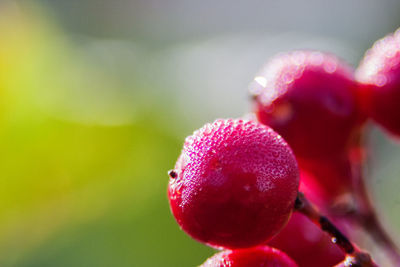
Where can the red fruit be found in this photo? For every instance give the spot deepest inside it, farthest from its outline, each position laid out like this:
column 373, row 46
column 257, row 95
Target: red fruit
column 310, row 99
column 253, row 257
column 333, row 176
column 310, row 187
column 304, row 242
column 234, row 185
column 379, row 73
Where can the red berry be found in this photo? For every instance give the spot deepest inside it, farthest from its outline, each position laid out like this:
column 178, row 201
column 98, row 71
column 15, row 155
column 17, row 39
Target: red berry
column 329, row 203
column 234, row 184
column 310, row 99
column 304, row 242
column 253, row 257
column 330, row 177
column 379, row 73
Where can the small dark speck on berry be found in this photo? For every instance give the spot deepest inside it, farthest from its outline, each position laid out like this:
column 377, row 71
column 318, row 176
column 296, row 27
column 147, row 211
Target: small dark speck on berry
column 172, row 174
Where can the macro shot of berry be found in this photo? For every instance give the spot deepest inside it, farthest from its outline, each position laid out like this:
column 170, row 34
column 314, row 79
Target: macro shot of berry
column 154, row 133
column 234, row 184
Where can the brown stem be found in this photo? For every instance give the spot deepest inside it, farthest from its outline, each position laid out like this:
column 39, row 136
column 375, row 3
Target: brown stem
column 359, row 260
column 354, row 256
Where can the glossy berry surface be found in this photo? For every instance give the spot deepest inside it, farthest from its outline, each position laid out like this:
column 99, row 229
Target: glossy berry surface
column 253, row 257
column 304, row 242
column 310, row 99
column 234, row 184
column 379, row 74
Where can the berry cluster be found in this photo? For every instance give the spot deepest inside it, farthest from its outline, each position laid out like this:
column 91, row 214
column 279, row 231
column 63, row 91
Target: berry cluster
column 236, row 184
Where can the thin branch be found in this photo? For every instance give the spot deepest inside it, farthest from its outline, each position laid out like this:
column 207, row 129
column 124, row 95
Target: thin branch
column 354, row 257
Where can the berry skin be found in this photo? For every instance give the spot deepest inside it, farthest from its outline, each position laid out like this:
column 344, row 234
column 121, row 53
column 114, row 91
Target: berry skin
column 309, row 98
column 253, row 257
column 379, row 75
column 330, row 177
column 234, row 184
column 304, row 242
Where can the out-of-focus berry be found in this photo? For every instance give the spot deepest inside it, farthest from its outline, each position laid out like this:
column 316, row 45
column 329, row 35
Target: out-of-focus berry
column 253, row 257
column 379, row 75
column 304, row 242
column 330, row 178
column 309, row 98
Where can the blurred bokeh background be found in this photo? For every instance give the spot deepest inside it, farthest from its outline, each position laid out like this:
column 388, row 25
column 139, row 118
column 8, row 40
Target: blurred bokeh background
column 97, row 96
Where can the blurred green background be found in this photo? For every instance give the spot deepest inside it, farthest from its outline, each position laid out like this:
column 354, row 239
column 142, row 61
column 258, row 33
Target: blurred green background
column 96, row 98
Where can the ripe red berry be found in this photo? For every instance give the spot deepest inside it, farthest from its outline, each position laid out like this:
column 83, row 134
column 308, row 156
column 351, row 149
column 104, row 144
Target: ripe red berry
column 253, row 257
column 379, row 73
column 329, row 177
column 310, row 99
column 234, row 184
column 304, row 242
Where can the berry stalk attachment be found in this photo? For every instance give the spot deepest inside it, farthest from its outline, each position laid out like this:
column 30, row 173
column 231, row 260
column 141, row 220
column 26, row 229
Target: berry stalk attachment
column 354, row 257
